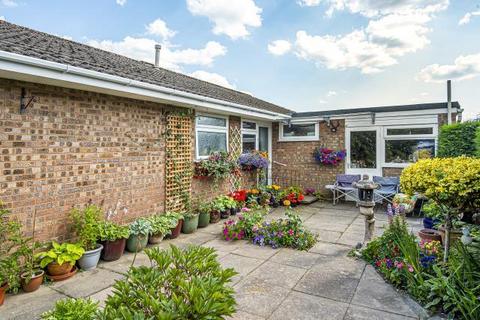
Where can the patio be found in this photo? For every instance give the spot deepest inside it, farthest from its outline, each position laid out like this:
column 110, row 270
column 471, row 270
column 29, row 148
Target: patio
column 272, row 284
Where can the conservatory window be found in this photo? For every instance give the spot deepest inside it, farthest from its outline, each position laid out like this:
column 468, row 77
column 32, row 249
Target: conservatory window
column 211, row 135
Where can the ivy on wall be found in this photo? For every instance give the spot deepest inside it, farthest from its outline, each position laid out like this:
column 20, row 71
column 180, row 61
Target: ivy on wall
column 178, row 160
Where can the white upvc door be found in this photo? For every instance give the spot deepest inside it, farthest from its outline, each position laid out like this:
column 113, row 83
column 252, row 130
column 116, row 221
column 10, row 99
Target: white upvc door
column 364, row 151
column 262, row 138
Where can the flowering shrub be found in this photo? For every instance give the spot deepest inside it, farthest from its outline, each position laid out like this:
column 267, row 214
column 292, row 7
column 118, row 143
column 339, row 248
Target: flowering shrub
column 284, row 232
column 239, row 195
column 328, row 156
column 309, row 191
column 253, row 160
column 403, row 203
column 242, row 228
column 292, row 196
column 232, row 230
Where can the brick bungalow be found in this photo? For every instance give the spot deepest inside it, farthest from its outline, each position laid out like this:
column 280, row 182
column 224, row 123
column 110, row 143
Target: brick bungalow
column 79, row 124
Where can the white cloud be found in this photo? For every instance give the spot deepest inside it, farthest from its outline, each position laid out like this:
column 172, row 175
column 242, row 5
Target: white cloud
column 230, row 17
column 2, row 18
column 9, row 3
column 279, row 47
column 213, row 78
column 159, row 28
column 121, row 2
column 309, row 3
column 143, row 49
column 398, row 28
column 468, row 17
column 331, row 93
column 464, row 67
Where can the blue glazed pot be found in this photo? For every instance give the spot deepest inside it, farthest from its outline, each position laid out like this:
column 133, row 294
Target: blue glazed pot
column 429, row 223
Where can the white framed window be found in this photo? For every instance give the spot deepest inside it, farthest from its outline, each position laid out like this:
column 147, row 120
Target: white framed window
column 404, row 145
column 211, row 134
column 299, row 132
column 249, row 136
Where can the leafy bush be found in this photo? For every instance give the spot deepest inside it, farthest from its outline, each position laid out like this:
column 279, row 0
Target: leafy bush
column 161, row 225
column 140, row 227
column 180, row 284
column 60, row 253
column 73, row 309
column 172, row 218
column 450, row 182
column 85, row 224
column 218, row 165
column 459, row 139
column 109, row 231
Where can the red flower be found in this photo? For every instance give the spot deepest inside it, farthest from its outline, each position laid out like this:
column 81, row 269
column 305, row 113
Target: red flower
column 300, row 197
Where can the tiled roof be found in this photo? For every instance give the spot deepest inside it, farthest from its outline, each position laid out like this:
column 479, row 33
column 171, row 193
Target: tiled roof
column 32, row 43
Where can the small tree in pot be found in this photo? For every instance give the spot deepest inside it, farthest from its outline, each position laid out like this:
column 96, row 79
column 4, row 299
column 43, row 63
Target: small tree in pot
column 113, row 238
column 85, row 225
column 139, row 231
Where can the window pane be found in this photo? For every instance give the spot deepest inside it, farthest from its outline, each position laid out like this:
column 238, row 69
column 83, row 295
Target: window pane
column 209, row 142
column 263, row 139
column 409, row 131
column 248, row 142
column 299, row 130
column 406, row 151
column 363, row 149
column 249, row 125
column 211, row 121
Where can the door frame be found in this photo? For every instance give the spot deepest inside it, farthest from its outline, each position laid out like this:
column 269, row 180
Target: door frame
column 379, row 149
column 257, row 135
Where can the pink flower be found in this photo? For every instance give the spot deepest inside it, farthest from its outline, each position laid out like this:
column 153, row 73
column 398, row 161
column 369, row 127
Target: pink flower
column 410, row 268
column 290, row 232
column 245, row 209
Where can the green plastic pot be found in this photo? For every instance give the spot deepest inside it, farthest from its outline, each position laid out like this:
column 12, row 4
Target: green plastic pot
column 190, row 224
column 203, row 220
column 137, row 243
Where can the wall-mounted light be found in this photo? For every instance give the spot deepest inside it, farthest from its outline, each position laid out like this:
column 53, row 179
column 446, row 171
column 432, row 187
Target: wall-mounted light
column 25, row 101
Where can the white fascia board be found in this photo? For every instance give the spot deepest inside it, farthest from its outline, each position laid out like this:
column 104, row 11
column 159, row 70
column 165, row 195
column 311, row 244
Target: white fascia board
column 19, row 67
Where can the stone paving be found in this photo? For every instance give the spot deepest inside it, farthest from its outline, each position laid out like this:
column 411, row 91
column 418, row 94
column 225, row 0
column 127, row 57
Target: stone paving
column 322, row 283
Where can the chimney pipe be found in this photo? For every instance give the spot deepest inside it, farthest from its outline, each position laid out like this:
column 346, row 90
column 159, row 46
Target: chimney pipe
column 158, row 47
column 449, row 101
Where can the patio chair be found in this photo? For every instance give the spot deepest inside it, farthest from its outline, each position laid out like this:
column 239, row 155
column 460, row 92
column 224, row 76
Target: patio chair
column 343, row 187
column 389, row 187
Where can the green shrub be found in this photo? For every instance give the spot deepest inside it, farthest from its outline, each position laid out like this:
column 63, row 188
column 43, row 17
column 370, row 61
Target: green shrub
column 109, row 231
column 141, row 227
column 181, row 284
column 60, row 253
column 161, row 225
column 72, row 309
column 459, row 139
column 85, row 225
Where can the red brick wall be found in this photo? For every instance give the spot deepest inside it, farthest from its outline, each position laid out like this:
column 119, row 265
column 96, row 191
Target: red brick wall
column 71, row 147
column 301, row 167
column 391, row 172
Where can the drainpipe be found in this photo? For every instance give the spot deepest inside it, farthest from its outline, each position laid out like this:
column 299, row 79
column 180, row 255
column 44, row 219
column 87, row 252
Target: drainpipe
column 449, row 101
column 158, row 47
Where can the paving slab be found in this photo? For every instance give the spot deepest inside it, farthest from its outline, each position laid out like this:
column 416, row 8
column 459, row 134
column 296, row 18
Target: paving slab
column 330, row 249
column 197, row 238
column 29, row 306
column 327, row 218
column 276, row 274
column 302, row 306
column 375, row 293
column 325, row 235
column 362, row 313
column 125, row 262
column 101, row 296
column 255, row 251
column 332, row 277
column 225, row 246
column 242, row 315
column 259, row 298
column 86, row 283
column 295, row 258
column 243, row 265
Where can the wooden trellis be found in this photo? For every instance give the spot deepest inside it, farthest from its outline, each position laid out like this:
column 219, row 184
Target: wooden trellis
column 235, row 139
column 178, row 166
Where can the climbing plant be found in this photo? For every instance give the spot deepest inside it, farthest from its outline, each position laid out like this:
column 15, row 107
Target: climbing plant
column 179, row 157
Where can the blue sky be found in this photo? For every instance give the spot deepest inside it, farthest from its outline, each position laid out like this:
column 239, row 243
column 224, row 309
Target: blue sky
column 301, row 54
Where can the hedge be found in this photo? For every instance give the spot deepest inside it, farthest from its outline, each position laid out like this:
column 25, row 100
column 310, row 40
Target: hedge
column 459, row 139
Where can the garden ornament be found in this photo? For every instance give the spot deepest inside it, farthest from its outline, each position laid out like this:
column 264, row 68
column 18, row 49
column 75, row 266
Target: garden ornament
column 366, row 205
column 466, row 238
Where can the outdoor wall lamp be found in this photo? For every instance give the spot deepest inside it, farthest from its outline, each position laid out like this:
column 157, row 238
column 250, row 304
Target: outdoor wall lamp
column 25, row 101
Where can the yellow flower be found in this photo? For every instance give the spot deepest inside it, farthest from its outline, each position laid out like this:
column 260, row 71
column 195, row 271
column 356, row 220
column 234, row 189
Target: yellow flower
column 286, row 203
column 275, row 187
column 254, row 191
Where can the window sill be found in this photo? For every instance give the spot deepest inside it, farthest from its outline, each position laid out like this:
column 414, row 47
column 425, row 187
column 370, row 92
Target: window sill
column 396, row 165
column 306, row 139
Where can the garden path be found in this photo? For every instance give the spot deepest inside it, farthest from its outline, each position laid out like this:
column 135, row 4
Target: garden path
column 322, row 283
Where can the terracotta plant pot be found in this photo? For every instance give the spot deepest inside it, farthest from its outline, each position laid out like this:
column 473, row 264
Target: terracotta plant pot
column 429, row 235
column 136, row 243
column 33, row 283
column 113, row 250
column 63, row 276
column 155, row 238
column 54, row 269
column 203, row 220
column 3, row 290
column 214, row 216
column 176, row 231
column 190, row 225
column 454, row 235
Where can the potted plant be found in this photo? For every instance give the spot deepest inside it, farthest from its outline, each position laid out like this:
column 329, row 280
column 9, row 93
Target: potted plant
column 203, row 214
column 224, row 204
column 60, row 260
column 161, row 226
column 81, row 308
column 219, row 165
column 433, row 215
column 113, row 239
column 85, row 225
column 190, row 222
column 139, row 231
column 175, row 222
column 11, row 240
column 215, row 209
column 32, row 275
